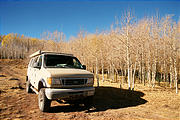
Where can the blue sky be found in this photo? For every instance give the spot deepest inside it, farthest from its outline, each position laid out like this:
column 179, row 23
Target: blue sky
column 34, row 17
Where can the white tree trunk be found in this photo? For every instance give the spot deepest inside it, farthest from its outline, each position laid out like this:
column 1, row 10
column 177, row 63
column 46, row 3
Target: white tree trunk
column 149, row 73
column 143, row 75
column 143, row 69
column 133, row 79
column 175, row 76
column 128, row 63
column 97, row 77
column 139, row 73
column 153, row 74
column 129, row 70
column 171, row 72
column 102, row 65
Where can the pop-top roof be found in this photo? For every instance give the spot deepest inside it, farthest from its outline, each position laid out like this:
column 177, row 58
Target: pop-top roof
column 39, row 52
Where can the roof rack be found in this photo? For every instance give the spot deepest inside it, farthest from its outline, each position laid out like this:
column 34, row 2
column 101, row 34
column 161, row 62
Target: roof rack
column 39, row 52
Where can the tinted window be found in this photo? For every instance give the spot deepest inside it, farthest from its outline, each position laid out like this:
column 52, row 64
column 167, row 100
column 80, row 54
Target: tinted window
column 61, row 61
column 40, row 61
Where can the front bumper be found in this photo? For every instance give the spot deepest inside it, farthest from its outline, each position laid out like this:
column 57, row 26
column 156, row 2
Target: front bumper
column 54, row 94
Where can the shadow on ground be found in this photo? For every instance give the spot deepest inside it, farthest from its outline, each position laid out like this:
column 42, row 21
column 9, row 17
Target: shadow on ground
column 107, row 98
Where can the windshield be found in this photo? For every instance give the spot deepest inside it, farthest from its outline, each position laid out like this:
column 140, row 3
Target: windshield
column 61, row 61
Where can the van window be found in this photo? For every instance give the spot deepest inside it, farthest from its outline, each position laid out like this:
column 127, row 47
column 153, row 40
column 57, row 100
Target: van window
column 33, row 61
column 61, row 61
column 40, row 61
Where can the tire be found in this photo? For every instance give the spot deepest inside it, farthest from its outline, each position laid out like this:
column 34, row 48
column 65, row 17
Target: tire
column 88, row 102
column 43, row 102
column 28, row 87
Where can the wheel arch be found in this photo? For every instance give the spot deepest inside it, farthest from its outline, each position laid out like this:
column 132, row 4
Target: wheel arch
column 26, row 78
column 41, row 84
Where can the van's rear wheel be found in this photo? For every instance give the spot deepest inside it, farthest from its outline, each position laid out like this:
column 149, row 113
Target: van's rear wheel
column 28, row 87
column 43, row 101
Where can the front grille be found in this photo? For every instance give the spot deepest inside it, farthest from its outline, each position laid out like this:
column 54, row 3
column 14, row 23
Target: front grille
column 74, row 81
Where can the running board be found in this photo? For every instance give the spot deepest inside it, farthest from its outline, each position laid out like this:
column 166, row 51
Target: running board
column 34, row 90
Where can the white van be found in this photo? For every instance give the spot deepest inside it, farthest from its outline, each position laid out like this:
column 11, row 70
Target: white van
column 59, row 76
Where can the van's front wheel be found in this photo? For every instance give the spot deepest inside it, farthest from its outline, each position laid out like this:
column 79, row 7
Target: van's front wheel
column 43, row 101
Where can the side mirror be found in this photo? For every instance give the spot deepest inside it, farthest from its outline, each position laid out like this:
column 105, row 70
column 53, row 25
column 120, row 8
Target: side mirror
column 36, row 65
column 84, row 67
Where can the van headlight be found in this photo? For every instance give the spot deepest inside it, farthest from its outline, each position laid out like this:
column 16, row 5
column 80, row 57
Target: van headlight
column 54, row 81
column 90, row 81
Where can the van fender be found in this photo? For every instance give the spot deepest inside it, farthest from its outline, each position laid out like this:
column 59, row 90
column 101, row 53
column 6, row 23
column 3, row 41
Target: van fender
column 43, row 82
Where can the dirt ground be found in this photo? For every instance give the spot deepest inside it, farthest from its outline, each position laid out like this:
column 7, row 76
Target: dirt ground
column 110, row 102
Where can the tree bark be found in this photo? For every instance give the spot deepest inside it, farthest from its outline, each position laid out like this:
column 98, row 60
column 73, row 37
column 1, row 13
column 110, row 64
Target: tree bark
column 175, row 76
column 102, row 65
column 153, row 74
column 97, row 77
column 133, row 79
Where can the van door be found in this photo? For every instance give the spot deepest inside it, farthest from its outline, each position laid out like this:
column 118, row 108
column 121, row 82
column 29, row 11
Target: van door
column 33, row 72
column 29, row 70
column 37, row 71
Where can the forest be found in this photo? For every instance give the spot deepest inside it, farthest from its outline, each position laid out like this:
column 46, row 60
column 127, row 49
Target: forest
column 145, row 51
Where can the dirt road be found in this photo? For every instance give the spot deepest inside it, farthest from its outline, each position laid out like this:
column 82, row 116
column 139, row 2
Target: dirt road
column 110, row 102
